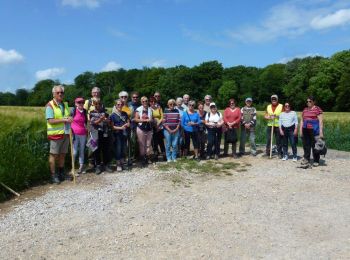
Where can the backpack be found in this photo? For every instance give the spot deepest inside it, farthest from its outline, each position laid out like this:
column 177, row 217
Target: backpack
column 320, row 147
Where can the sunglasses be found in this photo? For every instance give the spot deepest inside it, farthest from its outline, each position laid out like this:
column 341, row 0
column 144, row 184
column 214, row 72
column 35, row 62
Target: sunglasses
column 171, row 104
column 191, row 105
column 145, row 101
column 287, row 105
column 80, row 102
column 135, row 97
column 119, row 105
column 156, row 95
column 124, row 97
column 309, row 101
column 232, row 103
column 60, row 92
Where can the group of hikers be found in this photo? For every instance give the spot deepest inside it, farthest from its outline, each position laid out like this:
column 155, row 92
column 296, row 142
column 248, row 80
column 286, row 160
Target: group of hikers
column 136, row 130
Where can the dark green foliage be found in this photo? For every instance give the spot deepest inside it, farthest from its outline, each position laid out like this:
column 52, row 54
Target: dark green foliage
column 325, row 78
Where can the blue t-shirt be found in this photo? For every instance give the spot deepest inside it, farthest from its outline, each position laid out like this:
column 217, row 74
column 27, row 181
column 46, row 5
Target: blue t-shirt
column 119, row 120
column 186, row 118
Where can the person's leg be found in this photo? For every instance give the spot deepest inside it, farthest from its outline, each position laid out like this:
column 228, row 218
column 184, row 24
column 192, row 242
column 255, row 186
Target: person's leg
column 161, row 141
column 252, row 141
column 306, row 144
column 278, row 138
column 242, row 140
column 234, row 144
column 218, row 142
column 291, row 138
column 142, row 142
column 76, row 146
column 174, row 141
column 211, row 137
column 195, row 142
column 285, row 138
column 268, row 139
column 148, row 136
column 52, row 163
column 187, row 142
column 155, row 143
column 168, row 143
column 226, row 144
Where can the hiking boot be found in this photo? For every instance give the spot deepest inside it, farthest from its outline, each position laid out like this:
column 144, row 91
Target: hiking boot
column 98, row 170
column 285, row 158
column 55, row 179
column 108, row 169
column 316, row 164
column 281, row 156
column 295, row 159
column 304, row 162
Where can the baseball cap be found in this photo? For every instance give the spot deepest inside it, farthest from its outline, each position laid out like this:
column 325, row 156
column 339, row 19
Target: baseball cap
column 78, row 99
column 212, row 104
column 274, row 97
column 249, row 99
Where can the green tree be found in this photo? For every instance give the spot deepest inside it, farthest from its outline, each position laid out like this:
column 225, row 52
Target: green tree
column 228, row 90
column 42, row 92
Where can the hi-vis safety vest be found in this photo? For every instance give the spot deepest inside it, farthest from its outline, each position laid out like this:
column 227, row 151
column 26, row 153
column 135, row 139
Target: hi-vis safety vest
column 278, row 111
column 57, row 129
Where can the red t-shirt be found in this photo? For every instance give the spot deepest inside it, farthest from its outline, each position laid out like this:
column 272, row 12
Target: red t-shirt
column 232, row 115
column 311, row 114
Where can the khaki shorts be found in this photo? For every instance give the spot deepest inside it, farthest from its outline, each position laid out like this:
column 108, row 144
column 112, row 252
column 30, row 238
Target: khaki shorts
column 59, row 146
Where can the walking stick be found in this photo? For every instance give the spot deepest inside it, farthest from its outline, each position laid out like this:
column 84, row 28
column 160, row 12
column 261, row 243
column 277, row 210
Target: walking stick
column 9, row 189
column 272, row 128
column 72, row 154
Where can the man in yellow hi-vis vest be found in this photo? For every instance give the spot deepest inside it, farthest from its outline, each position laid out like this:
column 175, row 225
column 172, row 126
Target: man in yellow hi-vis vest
column 272, row 114
column 58, row 128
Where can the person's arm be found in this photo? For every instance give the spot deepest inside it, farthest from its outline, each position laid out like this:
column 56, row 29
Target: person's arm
column 253, row 121
column 280, row 124
column 296, row 124
column 320, row 119
column 221, row 121
column 137, row 118
column 301, row 126
column 267, row 116
column 161, row 116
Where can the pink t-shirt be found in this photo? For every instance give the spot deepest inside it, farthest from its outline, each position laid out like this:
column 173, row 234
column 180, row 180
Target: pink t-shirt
column 78, row 124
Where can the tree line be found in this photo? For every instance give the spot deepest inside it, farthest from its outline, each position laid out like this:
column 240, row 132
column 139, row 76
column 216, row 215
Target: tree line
column 327, row 79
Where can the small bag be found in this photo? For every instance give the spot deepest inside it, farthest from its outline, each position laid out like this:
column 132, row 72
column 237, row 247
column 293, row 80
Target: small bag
column 92, row 144
column 231, row 135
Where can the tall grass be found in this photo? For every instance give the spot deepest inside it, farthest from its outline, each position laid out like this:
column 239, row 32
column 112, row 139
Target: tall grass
column 23, row 148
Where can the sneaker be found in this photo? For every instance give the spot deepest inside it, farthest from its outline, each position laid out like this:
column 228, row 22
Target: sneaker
column 119, row 168
column 235, row 156
column 208, row 157
column 295, row 159
column 316, row 164
column 55, row 179
column 285, row 158
column 281, row 156
column 174, row 160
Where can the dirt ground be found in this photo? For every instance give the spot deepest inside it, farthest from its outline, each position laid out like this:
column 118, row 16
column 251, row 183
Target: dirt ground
column 265, row 208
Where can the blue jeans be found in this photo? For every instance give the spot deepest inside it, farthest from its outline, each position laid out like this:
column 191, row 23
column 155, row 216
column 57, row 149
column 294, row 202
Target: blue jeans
column 214, row 140
column 119, row 146
column 171, row 140
column 79, row 147
column 289, row 135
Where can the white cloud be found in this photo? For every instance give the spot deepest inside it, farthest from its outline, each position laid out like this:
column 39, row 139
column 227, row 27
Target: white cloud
column 110, row 66
column 49, row 73
column 293, row 18
column 158, row 63
column 10, row 56
column 91, row 4
column 339, row 18
column 118, row 34
column 299, row 56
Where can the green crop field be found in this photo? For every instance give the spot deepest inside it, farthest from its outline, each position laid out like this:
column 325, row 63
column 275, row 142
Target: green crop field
column 24, row 146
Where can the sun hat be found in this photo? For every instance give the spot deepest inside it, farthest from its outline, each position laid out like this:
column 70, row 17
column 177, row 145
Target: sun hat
column 78, row 99
column 249, row 99
column 212, row 104
column 274, row 96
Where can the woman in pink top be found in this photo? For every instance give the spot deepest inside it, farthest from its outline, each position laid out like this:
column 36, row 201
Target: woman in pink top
column 232, row 118
column 79, row 130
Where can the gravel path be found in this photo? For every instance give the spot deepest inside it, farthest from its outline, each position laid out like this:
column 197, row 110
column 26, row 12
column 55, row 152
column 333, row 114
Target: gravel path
column 269, row 210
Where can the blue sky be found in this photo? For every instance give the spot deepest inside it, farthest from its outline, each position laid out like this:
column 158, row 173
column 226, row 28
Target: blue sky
column 59, row 39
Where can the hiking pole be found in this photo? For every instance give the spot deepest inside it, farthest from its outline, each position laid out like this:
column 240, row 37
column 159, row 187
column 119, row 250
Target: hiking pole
column 271, row 137
column 9, row 189
column 72, row 154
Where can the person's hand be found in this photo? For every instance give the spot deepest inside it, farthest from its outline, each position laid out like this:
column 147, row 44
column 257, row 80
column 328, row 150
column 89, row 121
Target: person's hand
column 68, row 120
column 321, row 135
column 281, row 132
column 272, row 116
column 301, row 133
column 295, row 132
column 247, row 126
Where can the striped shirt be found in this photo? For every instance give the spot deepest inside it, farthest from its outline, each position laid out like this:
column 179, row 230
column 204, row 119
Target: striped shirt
column 288, row 119
column 248, row 116
column 171, row 118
